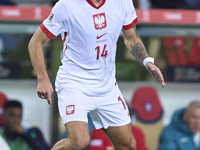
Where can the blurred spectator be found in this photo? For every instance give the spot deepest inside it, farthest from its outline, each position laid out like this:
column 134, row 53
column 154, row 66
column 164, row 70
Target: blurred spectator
column 7, row 2
column 3, row 144
column 100, row 141
column 175, row 4
column 54, row 2
column 183, row 132
column 168, row 4
column 193, row 4
column 144, row 4
column 15, row 135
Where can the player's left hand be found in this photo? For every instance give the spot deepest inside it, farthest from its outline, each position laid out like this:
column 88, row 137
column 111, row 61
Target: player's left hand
column 155, row 71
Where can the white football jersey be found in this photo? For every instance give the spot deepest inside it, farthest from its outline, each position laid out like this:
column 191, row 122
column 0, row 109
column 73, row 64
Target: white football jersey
column 89, row 36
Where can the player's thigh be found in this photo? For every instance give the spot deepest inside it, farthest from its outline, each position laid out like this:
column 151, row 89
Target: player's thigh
column 78, row 132
column 121, row 136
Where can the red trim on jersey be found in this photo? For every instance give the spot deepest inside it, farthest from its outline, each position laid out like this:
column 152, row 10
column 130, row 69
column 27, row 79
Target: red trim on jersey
column 46, row 31
column 127, row 27
column 65, row 36
column 65, row 48
column 92, row 4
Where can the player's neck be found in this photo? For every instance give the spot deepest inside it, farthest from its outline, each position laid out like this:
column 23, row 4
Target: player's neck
column 97, row 2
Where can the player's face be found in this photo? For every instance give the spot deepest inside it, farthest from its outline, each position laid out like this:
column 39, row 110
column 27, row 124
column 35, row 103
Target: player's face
column 12, row 116
column 193, row 119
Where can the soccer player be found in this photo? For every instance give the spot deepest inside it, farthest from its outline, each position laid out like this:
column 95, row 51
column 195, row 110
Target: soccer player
column 86, row 80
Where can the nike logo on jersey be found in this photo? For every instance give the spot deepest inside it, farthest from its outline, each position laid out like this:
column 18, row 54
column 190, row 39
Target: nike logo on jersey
column 98, row 37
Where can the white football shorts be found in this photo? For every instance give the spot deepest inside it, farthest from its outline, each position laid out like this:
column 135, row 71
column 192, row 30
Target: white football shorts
column 106, row 110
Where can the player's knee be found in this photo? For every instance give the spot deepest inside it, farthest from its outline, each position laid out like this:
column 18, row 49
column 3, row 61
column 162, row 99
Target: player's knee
column 80, row 143
column 132, row 145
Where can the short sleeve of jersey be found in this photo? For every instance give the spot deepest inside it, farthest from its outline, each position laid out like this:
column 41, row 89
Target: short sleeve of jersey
column 56, row 22
column 130, row 15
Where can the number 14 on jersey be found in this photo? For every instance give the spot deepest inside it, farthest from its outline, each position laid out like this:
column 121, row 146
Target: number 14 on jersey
column 104, row 52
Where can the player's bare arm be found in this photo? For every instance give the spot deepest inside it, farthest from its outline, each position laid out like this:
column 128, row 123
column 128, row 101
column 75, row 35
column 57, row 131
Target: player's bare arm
column 44, row 89
column 138, row 50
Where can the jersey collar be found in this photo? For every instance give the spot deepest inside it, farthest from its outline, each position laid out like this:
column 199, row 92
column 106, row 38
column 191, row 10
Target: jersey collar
column 91, row 3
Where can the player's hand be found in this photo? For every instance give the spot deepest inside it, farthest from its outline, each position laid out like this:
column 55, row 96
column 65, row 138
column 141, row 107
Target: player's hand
column 155, row 71
column 45, row 89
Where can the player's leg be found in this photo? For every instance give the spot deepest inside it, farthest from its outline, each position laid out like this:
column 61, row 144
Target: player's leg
column 113, row 115
column 78, row 137
column 121, row 137
column 73, row 107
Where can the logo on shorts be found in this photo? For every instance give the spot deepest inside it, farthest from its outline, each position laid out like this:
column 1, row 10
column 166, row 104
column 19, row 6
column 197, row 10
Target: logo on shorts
column 70, row 109
column 123, row 103
column 99, row 21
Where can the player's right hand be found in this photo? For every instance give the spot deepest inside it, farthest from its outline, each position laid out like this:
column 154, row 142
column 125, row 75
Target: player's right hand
column 45, row 89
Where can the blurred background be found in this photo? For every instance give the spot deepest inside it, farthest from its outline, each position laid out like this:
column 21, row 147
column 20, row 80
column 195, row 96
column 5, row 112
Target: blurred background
column 169, row 29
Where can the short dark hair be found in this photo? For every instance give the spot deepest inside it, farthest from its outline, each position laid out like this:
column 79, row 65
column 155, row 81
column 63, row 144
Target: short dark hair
column 12, row 103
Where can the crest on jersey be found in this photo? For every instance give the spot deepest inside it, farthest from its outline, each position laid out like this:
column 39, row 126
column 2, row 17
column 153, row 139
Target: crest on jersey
column 50, row 16
column 99, row 21
column 70, row 109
